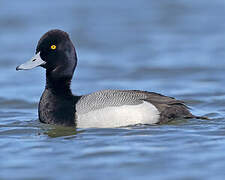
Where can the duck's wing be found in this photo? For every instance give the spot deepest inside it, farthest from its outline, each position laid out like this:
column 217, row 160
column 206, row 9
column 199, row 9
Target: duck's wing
column 168, row 107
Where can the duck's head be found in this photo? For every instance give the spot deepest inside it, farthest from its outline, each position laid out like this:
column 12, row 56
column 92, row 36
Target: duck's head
column 55, row 52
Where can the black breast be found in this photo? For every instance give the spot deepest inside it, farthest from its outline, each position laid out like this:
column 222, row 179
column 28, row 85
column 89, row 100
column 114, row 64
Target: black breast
column 55, row 109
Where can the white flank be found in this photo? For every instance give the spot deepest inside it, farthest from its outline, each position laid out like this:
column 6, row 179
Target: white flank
column 125, row 115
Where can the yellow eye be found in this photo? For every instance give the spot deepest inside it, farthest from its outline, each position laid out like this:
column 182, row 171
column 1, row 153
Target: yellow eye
column 53, row 47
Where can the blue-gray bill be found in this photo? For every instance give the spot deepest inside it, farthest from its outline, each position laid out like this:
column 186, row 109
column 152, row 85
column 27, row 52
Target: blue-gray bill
column 34, row 62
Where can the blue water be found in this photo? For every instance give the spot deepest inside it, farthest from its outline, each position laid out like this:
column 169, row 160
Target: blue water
column 176, row 48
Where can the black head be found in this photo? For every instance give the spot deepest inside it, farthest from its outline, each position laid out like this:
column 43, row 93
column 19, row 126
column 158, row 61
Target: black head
column 55, row 52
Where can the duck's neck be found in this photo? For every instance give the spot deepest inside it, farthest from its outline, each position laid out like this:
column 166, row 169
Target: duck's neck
column 57, row 104
column 59, row 86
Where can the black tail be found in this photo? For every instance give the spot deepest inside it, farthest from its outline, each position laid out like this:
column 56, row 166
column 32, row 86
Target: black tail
column 197, row 117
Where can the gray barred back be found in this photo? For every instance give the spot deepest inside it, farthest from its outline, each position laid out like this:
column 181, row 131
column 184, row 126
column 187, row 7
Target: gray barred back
column 109, row 98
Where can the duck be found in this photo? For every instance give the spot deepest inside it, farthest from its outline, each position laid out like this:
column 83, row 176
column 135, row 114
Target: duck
column 109, row 108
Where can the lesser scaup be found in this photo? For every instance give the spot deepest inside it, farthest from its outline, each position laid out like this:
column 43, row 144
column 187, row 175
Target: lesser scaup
column 104, row 109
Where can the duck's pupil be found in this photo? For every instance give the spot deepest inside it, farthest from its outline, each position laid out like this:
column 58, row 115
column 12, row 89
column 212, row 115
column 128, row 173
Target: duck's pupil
column 53, row 47
column 34, row 60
